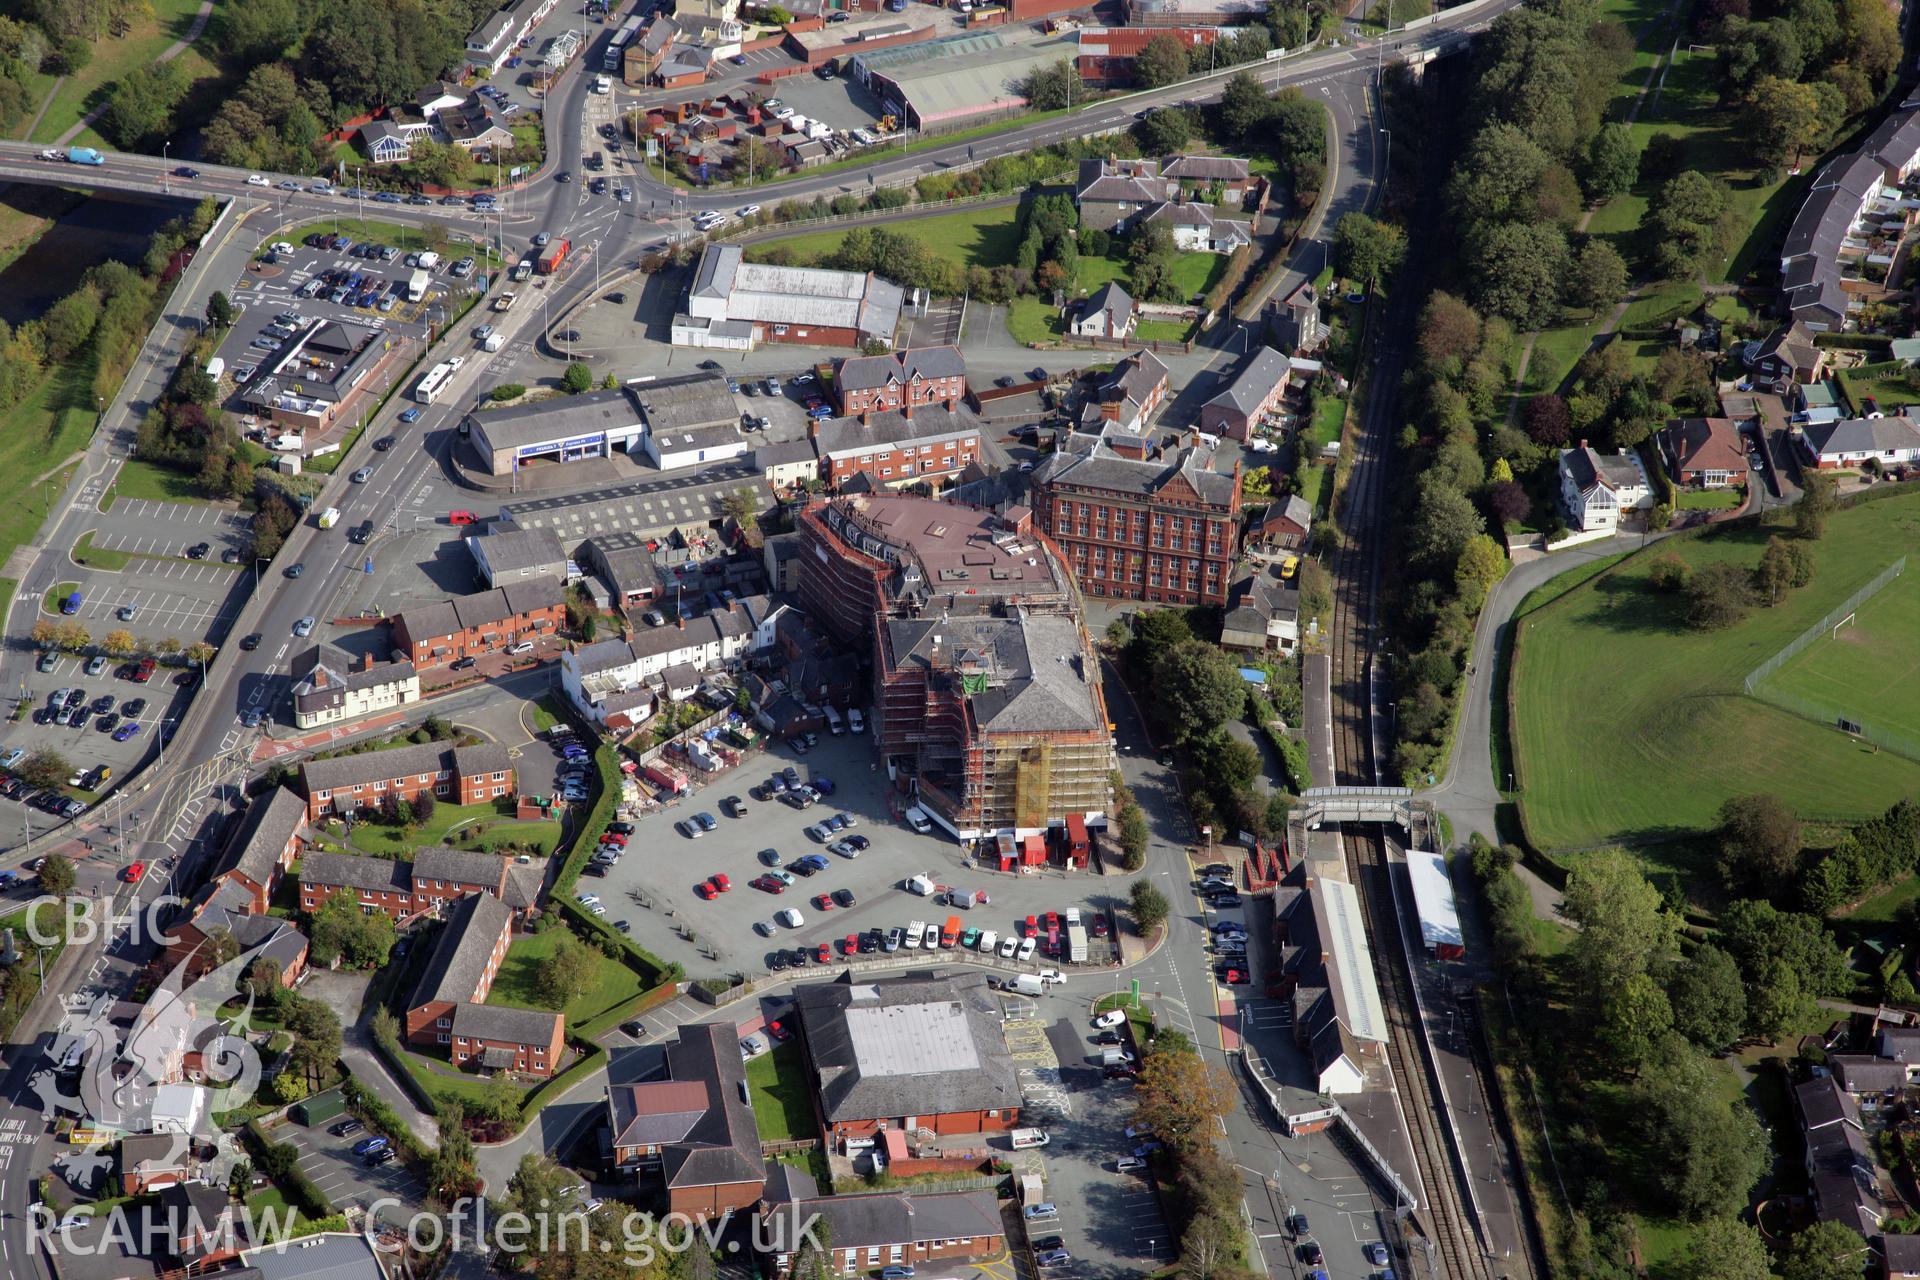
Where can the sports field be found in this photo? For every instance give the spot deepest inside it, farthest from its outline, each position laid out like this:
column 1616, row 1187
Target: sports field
column 1866, row 671
column 1628, row 726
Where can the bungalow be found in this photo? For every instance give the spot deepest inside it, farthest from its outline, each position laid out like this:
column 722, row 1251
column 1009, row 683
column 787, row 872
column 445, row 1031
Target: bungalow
column 1109, row 313
column 150, row 1161
column 866, row 1232
column 474, row 127
column 1263, row 613
column 1704, row 453
column 1597, row 487
column 1855, row 442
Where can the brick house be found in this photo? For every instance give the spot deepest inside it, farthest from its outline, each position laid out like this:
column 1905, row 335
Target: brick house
column 435, row 634
column 867, row 1232
column 453, row 775
column 1253, row 393
column 215, row 911
column 907, row 1053
column 329, row 686
column 1285, row 526
column 407, row 889
column 150, row 1161
column 1160, row 529
column 466, row 959
column 1121, row 404
column 1704, row 453
column 916, row 376
column 265, row 844
column 694, row 1130
column 193, row 1223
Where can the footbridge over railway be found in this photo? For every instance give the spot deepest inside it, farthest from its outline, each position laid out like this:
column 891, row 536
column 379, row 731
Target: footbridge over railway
column 1398, row 805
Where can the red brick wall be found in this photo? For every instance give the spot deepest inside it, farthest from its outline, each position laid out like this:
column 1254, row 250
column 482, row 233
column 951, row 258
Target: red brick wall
column 947, row 457
column 397, row 905
column 525, row 1060
column 423, row 1022
column 814, row 336
column 893, row 395
column 707, row 1202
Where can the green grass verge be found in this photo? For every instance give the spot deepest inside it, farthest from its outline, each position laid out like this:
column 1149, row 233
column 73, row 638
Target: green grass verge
column 979, row 237
column 1030, row 320
column 1631, row 727
column 1709, row 499
column 518, row 983
column 782, row 1105
column 152, row 482
column 50, row 602
column 84, row 552
column 1163, row 331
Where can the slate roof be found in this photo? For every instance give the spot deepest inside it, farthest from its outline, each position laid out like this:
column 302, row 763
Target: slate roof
column 321, row 1257
column 430, row 619
column 1188, row 214
column 1864, row 1073
column 686, row 403
column 1862, row 435
column 874, row 1221
column 864, row 373
column 153, row 1152
column 402, row 762
column 1591, row 469
column 1036, row 675
column 888, row 427
column 269, row 823
column 1292, row 509
column 474, row 923
column 1206, row 168
column 1100, row 468
column 562, row 417
column 1120, row 182
column 1110, row 297
column 459, row 866
column 1793, row 343
column 376, row 875
column 324, row 674
column 625, row 560
column 700, row 1114
column 506, row 1023
column 1253, row 384
column 906, row 1047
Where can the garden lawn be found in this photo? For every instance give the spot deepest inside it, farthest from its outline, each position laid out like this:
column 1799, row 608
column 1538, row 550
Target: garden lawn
column 146, row 39
column 1709, row 499
column 1196, row 273
column 1032, row 320
column 782, row 1107
column 1629, row 727
column 151, row 481
column 518, row 984
column 1163, row 331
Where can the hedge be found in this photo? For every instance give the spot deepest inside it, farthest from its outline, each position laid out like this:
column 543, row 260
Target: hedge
column 379, row 1113
column 1293, row 757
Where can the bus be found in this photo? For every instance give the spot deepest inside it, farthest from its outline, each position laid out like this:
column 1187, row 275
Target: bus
column 434, row 381
column 617, row 47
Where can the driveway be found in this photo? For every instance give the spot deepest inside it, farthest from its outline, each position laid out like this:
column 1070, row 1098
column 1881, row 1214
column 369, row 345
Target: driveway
column 344, row 993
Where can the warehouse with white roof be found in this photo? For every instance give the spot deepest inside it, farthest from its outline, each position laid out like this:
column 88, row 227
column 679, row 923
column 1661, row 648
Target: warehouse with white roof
column 736, row 304
column 964, row 80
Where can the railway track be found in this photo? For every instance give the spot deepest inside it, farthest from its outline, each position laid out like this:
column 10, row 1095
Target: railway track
column 1455, row 1249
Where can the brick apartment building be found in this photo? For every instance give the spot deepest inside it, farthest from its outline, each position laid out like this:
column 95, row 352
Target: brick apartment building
column 916, row 376
column 986, row 693
column 894, row 448
column 435, row 878
column 435, row 634
column 867, row 1232
column 693, row 1130
column 1160, row 529
column 267, row 841
column 448, row 1005
column 454, row 775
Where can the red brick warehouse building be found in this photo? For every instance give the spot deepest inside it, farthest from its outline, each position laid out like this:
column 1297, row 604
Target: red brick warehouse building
column 456, row 775
column 1161, row 528
column 440, row 632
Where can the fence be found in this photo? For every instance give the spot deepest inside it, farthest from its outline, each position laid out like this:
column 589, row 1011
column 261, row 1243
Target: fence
column 1825, row 625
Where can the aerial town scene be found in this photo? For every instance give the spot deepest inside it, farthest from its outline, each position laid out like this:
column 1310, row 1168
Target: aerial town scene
column 959, row 640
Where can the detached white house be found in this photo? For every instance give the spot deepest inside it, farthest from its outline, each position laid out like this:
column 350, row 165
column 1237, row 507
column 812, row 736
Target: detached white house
column 1597, row 487
column 1852, row 442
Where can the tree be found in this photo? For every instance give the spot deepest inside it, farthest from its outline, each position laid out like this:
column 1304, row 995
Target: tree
column 1613, row 162
column 1783, row 120
column 1517, row 269
column 69, row 323
column 1207, row 1245
column 1508, row 502
column 1198, row 688
column 566, row 973
column 1449, row 333
column 1444, row 522
column 1633, row 1017
column 316, row 1031
column 1367, row 250
column 1548, row 422
column 451, row 1174
column 1598, row 277
column 1181, row 1097
column 45, row 767
column 743, row 506
column 1244, row 106
column 118, row 644
column 1759, row 843
column 1668, row 573
column 56, row 875
column 500, row 1100
column 1712, row 1152
column 1160, row 62
column 1824, row 1251
column 1482, row 564
column 73, row 637
column 1150, row 906
column 1718, row 596
column 423, row 807
column 1167, row 129
column 1685, row 223
column 1052, row 87
column 340, row 931
column 1496, row 176
column 1815, row 505
column 140, row 106
column 1708, row 999
column 1728, row 1249
column 219, row 310
column 577, row 379
column 1624, row 928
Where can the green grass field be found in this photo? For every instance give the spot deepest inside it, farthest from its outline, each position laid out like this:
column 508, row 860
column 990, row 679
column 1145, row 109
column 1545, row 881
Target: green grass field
column 1866, row 670
column 982, row 237
column 517, row 985
column 156, row 26
column 1630, row 727
column 782, row 1107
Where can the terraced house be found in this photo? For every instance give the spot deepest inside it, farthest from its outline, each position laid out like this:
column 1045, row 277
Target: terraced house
column 456, row 775
column 435, row 634
column 407, row 889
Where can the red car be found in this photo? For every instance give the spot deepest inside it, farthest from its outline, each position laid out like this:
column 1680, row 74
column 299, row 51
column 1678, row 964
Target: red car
column 825, row 954
column 705, row 890
column 1053, row 922
column 850, row 945
column 1099, row 927
column 720, row 882
column 769, row 885
column 133, row 873
column 1032, row 926
column 613, row 837
column 778, row 1031
column 822, row 902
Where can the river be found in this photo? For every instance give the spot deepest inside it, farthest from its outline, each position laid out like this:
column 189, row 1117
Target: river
column 98, row 228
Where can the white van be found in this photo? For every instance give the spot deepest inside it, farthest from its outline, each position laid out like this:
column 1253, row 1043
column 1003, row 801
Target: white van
column 1024, row 1138
column 1025, row 984
column 914, row 931
column 834, row 724
column 917, row 819
column 856, row 723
